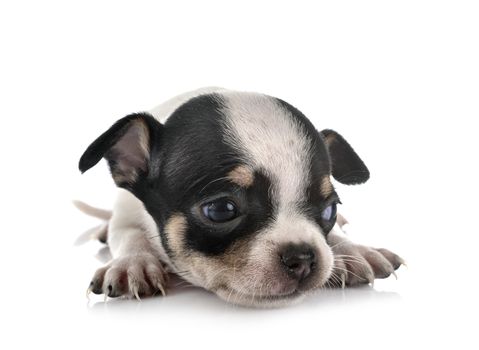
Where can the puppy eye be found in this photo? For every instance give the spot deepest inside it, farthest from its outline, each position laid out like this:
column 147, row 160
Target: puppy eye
column 220, row 210
column 329, row 213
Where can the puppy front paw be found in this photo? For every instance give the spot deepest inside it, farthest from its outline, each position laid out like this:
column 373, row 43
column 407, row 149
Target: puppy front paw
column 131, row 276
column 356, row 264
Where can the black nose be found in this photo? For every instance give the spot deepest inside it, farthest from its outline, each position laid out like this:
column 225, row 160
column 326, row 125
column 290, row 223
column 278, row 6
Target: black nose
column 298, row 260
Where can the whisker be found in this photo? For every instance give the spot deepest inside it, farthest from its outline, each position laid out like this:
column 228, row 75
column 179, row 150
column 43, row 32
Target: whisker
column 209, row 183
column 335, row 278
column 339, row 243
column 350, row 257
column 232, row 280
column 188, row 287
column 185, row 273
column 352, row 273
column 184, row 284
column 212, row 279
column 351, row 261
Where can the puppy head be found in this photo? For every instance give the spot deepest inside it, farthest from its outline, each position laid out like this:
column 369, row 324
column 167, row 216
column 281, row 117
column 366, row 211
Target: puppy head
column 239, row 186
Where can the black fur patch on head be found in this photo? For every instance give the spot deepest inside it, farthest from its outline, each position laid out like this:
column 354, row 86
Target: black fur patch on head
column 190, row 163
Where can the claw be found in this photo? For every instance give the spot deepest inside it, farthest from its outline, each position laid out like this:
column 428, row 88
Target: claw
column 105, row 298
column 343, row 281
column 135, row 292
column 88, row 291
column 370, row 280
column 162, row 290
column 394, row 274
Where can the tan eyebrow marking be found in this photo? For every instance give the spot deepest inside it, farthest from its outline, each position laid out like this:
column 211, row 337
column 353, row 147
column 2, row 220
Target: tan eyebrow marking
column 241, row 175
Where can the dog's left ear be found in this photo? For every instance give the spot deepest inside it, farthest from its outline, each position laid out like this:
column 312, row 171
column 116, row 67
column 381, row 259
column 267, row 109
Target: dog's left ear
column 127, row 147
column 347, row 167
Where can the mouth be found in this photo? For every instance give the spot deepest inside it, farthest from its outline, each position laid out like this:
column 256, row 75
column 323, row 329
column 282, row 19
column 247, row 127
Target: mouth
column 233, row 296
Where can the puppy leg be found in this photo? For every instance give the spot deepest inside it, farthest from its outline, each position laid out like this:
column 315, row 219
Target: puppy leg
column 136, row 269
column 357, row 264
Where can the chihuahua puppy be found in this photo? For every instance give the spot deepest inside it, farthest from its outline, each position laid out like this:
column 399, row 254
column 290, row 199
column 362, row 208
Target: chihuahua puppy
column 231, row 191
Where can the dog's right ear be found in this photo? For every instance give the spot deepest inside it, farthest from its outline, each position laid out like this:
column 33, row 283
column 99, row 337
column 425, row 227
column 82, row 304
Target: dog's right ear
column 126, row 146
column 347, row 167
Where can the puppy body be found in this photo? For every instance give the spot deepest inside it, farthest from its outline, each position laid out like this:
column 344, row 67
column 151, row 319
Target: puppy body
column 231, row 191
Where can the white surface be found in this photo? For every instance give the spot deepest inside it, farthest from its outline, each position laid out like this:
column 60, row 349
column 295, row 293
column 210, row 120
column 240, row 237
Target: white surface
column 398, row 79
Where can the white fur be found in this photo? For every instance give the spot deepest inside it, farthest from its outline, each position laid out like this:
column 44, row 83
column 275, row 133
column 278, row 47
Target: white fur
column 132, row 229
column 283, row 152
column 272, row 141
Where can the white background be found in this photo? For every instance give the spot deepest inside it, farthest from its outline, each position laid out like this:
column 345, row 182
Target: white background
column 399, row 79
